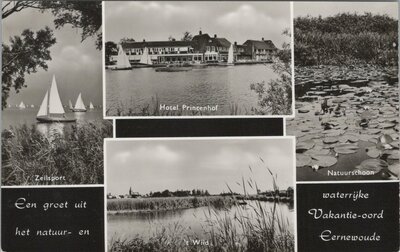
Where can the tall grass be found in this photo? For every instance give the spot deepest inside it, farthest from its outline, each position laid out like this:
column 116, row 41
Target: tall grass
column 76, row 154
column 167, row 203
column 264, row 229
column 346, row 39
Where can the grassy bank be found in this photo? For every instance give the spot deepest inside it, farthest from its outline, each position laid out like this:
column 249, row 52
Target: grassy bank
column 76, row 156
column 370, row 39
column 168, row 203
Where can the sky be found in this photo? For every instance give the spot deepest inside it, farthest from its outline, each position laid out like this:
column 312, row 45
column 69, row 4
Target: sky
column 236, row 21
column 331, row 8
column 213, row 165
column 77, row 66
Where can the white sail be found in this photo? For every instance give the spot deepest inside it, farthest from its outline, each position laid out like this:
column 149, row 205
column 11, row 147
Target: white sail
column 70, row 104
column 230, row 55
column 22, row 105
column 32, row 106
column 122, row 59
column 91, row 105
column 43, row 110
column 55, row 105
column 79, row 103
column 145, row 58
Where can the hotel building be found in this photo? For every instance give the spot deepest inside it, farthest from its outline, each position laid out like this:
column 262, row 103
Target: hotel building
column 201, row 49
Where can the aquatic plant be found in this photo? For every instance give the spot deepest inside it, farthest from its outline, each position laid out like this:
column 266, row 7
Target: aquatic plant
column 76, row 155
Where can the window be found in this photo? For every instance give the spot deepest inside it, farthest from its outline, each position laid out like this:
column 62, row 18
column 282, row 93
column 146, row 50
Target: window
column 213, row 48
column 208, row 48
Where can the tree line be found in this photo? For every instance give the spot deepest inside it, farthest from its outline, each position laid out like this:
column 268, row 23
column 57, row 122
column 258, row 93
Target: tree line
column 179, row 193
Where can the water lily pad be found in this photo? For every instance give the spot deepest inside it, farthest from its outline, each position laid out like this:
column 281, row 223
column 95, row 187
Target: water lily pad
column 303, row 111
column 374, row 131
column 374, row 165
column 385, row 139
column 330, row 140
column 394, row 168
column 314, row 152
column 346, row 148
column 323, row 160
column 302, row 160
column 373, row 152
column 392, row 154
column 395, row 144
column 304, row 145
column 349, row 138
column 387, row 125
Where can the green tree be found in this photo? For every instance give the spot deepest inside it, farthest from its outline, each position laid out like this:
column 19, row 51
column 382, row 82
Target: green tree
column 25, row 55
column 187, row 36
column 276, row 97
column 80, row 14
column 110, row 48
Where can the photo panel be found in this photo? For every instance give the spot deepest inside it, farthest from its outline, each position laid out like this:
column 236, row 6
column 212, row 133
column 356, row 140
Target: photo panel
column 194, row 194
column 346, row 91
column 52, row 120
column 197, row 59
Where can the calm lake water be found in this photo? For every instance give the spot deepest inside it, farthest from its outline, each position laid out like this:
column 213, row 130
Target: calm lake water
column 222, row 86
column 16, row 117
column 194, row 220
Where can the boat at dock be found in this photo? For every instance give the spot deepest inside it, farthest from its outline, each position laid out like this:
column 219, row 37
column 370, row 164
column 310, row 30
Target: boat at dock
column 145, row 59
column 79, row 105
column 51, row 110
column 122, row 61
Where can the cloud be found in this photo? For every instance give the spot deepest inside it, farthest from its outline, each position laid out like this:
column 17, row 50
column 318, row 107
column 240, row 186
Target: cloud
column 246, row 16
column 158, row 154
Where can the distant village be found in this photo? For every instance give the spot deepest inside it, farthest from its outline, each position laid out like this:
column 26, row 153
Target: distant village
column 288, row 193
column 201, row 48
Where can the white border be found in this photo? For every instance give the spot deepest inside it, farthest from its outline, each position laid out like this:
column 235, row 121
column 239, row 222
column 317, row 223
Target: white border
column 292, row 138
column 206, row 116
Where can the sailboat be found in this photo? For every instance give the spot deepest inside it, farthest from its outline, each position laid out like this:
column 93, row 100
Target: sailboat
column 79, row 105
column 230, row 56
column 70, row 105
column 145, row 58
column 91, row 107
column 51, row 109
column 32, row 106
column 22, row 105
column 122, row 60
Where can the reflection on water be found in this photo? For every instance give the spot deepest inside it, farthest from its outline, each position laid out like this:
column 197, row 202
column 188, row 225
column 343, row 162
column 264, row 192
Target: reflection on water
column 222, row 86
column 17, row 118
column 194, row 220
